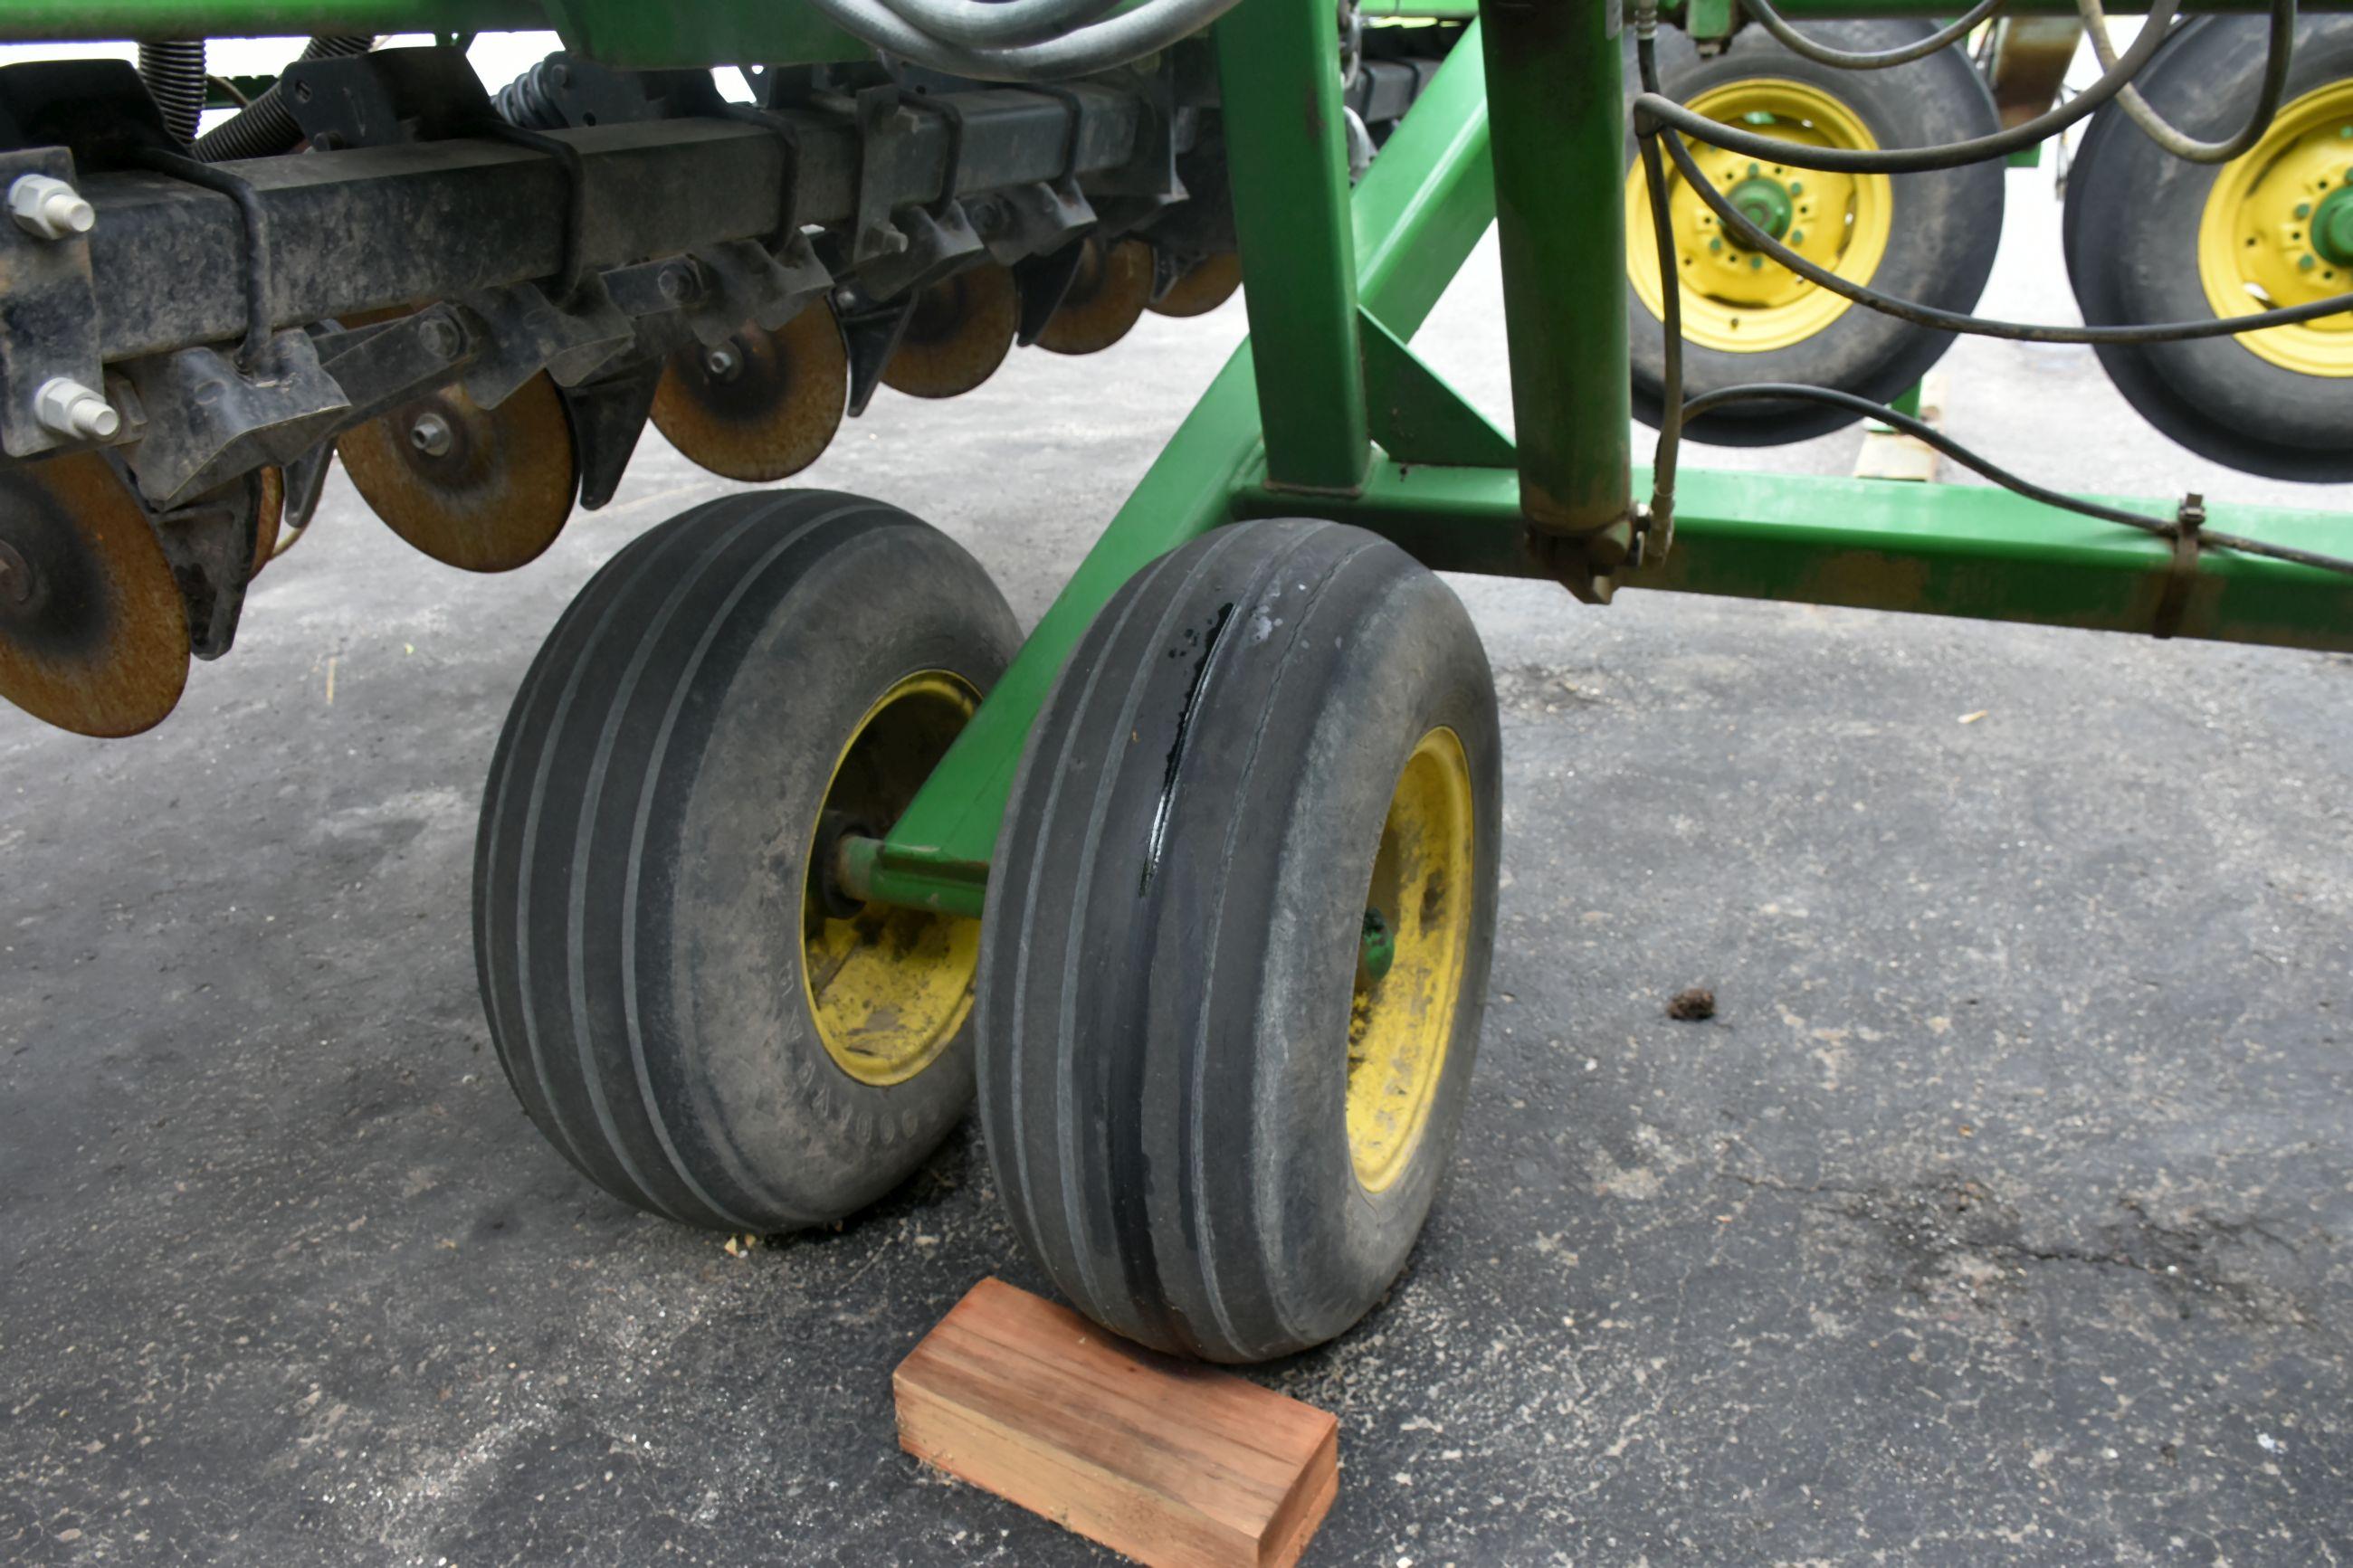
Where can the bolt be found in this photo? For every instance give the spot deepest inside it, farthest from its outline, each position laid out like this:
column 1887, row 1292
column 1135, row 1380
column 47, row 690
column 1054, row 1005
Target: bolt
column 1797, row 187
column 2304, row 264
column 723, row 364
column 2304, row 209
column 47, row 208
column 16, row 576
column 430, row 434
column 1797, row 236
column 71, row 409
column 678, row 283
column 1756, row 263
column 442, row 338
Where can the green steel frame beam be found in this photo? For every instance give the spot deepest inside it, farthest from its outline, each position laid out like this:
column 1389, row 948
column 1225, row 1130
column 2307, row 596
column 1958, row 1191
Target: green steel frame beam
column 1939, row 550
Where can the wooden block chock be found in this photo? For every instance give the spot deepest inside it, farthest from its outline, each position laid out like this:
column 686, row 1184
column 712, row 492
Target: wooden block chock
column 1174, row 1464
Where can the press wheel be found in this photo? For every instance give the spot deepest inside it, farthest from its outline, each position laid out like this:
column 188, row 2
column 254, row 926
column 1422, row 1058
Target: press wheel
column 1235, row 952
column 690, row 1008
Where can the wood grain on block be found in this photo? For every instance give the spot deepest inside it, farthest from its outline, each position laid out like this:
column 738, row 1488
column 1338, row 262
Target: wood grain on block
column 1175, row 1465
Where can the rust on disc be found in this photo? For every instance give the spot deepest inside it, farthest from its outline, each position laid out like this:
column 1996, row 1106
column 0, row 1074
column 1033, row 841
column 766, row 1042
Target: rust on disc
column 1107, row 298
column 763, row 405
column 93, row 632
column 272, row 512
column 1208, row 284
column 485, row 490
column 958, row 333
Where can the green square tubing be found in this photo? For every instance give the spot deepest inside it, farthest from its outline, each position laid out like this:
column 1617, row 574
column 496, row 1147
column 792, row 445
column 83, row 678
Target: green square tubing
column 1287, row 160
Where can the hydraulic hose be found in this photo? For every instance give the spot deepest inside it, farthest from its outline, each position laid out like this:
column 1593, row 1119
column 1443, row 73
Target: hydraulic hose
column 1655, row 108
column 1796, row 43
column 2278, row 55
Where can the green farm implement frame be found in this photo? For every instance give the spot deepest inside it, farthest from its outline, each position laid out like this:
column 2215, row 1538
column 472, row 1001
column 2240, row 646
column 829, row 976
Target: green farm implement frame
column 1327, row 411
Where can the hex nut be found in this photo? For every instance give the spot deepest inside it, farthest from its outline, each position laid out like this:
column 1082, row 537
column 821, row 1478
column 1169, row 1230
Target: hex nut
column 49, row 209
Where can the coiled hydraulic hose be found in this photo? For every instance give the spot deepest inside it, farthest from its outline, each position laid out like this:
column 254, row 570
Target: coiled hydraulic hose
column 174, row 75
column 266, row 126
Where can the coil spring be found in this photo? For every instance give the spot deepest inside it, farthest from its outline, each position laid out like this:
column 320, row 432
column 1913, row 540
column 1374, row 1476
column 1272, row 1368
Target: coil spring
column 530, row 100
column 174, row 75
column 266, row 126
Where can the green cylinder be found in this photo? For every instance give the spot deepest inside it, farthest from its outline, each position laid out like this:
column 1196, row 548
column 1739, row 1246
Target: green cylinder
column 1557, row 117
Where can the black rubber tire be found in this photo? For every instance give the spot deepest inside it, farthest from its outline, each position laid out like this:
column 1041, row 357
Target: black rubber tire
column 642, row 855
column 2215, row 396
column 1173, row 923
column 1947, row 228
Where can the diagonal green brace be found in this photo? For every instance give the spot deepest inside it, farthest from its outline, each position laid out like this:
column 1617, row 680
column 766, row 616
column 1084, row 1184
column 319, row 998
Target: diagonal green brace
column 1415, row 217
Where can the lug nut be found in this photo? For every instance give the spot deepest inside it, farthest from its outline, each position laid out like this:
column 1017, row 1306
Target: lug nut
column 721, row 363
column 47, row 208
column 69, row 408
column 430, row 434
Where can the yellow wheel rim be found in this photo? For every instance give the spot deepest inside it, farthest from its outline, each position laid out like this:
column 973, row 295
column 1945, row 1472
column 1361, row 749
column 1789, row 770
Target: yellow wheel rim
column 1417, row 937
column 1735, row 299
column 2278, row 231
column 889, row 988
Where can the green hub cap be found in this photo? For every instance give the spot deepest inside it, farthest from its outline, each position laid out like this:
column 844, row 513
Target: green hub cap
column 1764, row 202
column 1378, row 951
column 2332, row 227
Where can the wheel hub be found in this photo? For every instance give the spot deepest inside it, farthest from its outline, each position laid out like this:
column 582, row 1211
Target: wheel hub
column 2332, row 227
column 1765, row 202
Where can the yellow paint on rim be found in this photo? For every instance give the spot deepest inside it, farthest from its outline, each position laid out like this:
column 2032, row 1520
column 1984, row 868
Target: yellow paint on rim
column 1735, row 300
column 888, row 986
column 2254, row 247
column 1400, row 1023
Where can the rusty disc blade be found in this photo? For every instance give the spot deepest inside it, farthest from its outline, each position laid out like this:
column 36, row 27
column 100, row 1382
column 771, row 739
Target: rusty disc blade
column 93, row 632
column 1208, row 284
column 762, row 405
column 1106, row 298
column 958, row 333
column 266, row 526
column 484, row 490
